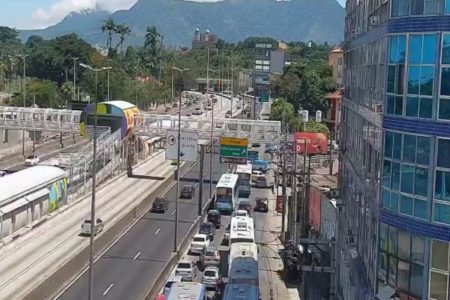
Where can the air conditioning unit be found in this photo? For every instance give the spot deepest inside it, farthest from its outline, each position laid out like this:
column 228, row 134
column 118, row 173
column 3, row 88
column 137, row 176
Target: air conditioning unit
column 349, row 232
column 377, row 108
column 373, row 21
column 351, row 240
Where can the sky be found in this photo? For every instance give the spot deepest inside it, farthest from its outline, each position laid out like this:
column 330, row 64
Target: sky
column 36, row 14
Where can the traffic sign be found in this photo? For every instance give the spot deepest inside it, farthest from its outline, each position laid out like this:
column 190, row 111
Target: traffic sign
column 234, row 150
column 233, row 160
column 264, row 97
column 233, row 141
column 188, row 145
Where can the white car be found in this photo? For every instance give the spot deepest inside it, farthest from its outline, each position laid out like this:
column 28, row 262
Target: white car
column 32, row 160
column 3, row 173
column 86, row 227
column 169, row 283
column 211, row 277
column 256, row 174
column 241, row 213
column 185, row 269
column 199, row 243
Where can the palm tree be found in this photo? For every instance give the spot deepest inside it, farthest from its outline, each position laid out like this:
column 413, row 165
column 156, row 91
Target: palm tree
column 123, row 30
column 152, row 48
column 110, row 27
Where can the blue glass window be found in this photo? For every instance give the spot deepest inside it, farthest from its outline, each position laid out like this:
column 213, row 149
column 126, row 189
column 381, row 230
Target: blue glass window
column 406, row 205
column 393, row 49
column 426, row 108
column 421, row 182
column 442, row 213
column 401, row 49
column 446, row 49
column 416, row 7
column 429, row 49
column 387, row 173
column 413, row 80
column 394, row 201
column 395, row 176
column 397, row 145
column 412, row 106
column 445, row 81
column 444, row 109
column 386, row 199
column 415, row 49
column 443, row 157
column 398, row 110
column 409, row 148
column 397, row 49
column 390, row 104
column 423, row 150
column 399, row 8
column 389, row 137
column 391, row 79
column 407, row 179
column 420, row 209
column 442, row 186
column 426, row 81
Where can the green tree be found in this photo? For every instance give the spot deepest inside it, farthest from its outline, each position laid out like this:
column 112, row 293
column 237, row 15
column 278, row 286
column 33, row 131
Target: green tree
column 317, row 127
column 151, row 52
column 123, row 30
column 110, row 27
column 44, row 94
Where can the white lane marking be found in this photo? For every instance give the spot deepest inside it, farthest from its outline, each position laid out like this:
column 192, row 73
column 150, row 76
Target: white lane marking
column 137, row 255
column 157, row 231
column 107, row 290
column 172, row 213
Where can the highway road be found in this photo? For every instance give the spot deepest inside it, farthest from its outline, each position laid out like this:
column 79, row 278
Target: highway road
column 128, row 268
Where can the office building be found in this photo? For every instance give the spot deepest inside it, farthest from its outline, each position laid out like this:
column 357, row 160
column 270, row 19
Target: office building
column 394, row 224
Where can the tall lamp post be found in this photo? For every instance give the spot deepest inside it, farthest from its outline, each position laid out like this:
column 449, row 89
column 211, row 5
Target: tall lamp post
column 74, row 77
column 212, row 139
column 94, row 171
column 24, row 91
column 175, row 239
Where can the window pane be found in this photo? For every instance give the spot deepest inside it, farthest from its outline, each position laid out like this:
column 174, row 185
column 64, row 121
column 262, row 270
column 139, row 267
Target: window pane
column 398, row 110
column 387, row 173
column 392, row 243
column 417, row 249
column 390, row 104
column 426, row 81
column 446, row 48
column 395, row 176
column 388, row 139
column 407, row 179
column 416, row 280
column 445, row 81
column 391, row 79
column 403, row 275
column 443, row 159
column 397, row 145
column 409, row 148
column 386, row 199
column 420, row 209
column 412, row 106
column 394, row 201
column 400, row 8
column 444, row 109
column 382, row 270
column 413, row 80
column 421, row 182
column 404, row 244
column 417, row 7
column 432, row 7
column 400, row 78
column 383, row 236
column 442, row 188
column 415, row 49
column 447, row 6
column 442, row 213
column 423, row 150
column 406, row 205
column 429, row 49
column 439, row 256
column 392, row 271
column 426, row 108
column 401, row 49
column 438, row 286
column 393, row 48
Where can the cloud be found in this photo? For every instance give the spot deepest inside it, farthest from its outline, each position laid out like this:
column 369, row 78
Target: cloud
column 44, row 17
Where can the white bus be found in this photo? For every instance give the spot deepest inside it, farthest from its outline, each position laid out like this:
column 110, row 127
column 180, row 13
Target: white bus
column 242, row 230
column 244, row 173
column 187, row 290
column 243, row 250
column 227, row 193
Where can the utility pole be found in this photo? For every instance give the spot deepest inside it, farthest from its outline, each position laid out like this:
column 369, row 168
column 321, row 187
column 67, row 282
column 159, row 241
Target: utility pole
column 331, row 150
column 200, row 177
column 283, row 217
column 74, row 77
column 34, row 131
column 24, row 91
column 294, row 199
column 254, row 94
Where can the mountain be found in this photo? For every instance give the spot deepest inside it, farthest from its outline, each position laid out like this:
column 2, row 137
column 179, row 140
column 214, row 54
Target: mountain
column 231, row 20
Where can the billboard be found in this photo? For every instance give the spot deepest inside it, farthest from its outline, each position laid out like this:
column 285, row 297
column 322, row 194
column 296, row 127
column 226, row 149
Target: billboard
column 316, row 143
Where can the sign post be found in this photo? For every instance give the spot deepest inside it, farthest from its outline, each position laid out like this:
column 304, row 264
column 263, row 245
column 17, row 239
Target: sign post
column 188, row 145
column 233, row 150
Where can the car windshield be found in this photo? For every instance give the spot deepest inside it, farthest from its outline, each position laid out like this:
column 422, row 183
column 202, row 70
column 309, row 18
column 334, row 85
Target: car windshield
column 31, row 157
column 210, row 273
column 184, row 265
column 210, row 253
column 205, row 226
column 186, row 188
column 87, row 221
column 199, row 239
column 169, row 284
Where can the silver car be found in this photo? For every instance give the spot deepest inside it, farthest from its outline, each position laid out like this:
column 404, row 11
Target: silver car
column 211, row 277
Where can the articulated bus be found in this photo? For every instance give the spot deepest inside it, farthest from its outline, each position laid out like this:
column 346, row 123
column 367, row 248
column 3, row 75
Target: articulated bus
column 242, row 230
column 241, row 291
column 243, row 250
column 227, row 193
column 187, row 290
column 244, row 173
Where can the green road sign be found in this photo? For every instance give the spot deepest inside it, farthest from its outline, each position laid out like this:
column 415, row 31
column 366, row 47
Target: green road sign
column 233, row 151
column 264, row 97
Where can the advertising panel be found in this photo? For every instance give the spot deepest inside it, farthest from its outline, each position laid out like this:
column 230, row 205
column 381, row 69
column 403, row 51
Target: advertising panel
column 315, row 196
column 316, row 143
column 280, row 204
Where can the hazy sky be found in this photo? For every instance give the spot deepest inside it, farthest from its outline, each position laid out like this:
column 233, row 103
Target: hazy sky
column 33, row 14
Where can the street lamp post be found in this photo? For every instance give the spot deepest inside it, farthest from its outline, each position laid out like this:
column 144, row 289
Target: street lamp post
column 24, row 91
column 94, row 171
column 212, row 141
column 175, row 239
column 74, row 77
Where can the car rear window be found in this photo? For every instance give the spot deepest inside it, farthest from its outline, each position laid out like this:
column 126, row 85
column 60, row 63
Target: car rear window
column 199, row 239
column 210, row 273
column 184, row 265
column 210, row 253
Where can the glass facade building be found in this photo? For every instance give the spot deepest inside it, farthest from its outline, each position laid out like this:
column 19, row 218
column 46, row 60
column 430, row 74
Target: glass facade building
column 394, row 230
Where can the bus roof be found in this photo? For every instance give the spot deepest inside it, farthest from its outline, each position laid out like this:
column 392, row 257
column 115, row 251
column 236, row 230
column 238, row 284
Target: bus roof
column 243, row 250
column 247, row 169
column 187, row 290
column 243, row 268
column 20, row 183
column 227, row 181
column 241, row 292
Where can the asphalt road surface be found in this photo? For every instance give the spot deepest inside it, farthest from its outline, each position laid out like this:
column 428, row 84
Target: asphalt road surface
column 128, row 269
